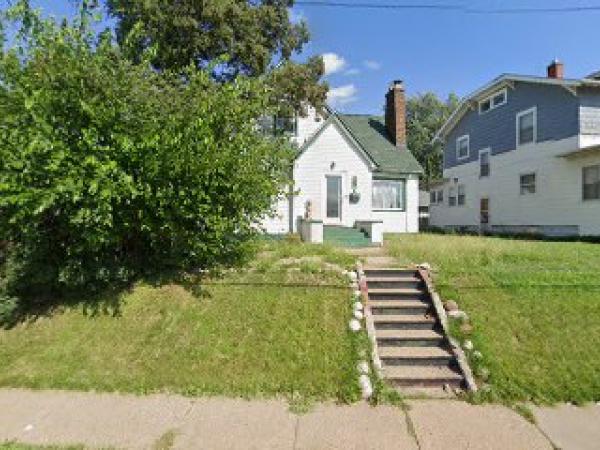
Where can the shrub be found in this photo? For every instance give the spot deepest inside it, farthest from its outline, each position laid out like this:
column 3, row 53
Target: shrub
column 110, row 170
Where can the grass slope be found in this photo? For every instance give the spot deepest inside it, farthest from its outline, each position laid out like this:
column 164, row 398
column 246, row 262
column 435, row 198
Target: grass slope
column 279, row 327
column 535, row 308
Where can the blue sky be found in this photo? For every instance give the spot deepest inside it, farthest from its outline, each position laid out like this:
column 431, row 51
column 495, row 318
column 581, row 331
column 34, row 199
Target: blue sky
column 439, row 51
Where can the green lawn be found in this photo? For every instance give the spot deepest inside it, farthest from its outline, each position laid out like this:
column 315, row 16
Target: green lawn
column 535, row 308
column 276, row 328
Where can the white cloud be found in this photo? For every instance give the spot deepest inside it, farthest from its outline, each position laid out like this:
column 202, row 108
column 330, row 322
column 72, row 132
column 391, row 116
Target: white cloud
column 351, row 72
column 342, row 95
column 373, row 65
column 333, row 63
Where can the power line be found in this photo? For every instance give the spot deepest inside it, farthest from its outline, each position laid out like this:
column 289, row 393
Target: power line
column 448, row 7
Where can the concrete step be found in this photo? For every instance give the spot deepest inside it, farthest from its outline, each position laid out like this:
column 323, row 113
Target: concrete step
column 404, row 322
column 416, row 356
column 407, row 282
column 396, row 291
column 410, row 338
column 398, row 307
column 407, row 376
column 393, row 273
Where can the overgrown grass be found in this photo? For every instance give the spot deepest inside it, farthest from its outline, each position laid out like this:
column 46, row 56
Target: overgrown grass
column 534, row 305
column 275, row 328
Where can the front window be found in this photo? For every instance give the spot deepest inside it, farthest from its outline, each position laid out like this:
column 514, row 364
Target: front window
column 526, row 127
column 591, row 183
column 388, row 194
column 528, row 184
column 452, row 196
column 461, row 195
column 484, row 164
column 462, row 147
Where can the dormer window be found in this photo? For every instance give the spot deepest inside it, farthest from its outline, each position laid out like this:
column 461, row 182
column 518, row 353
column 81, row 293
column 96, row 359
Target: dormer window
column 494, row 101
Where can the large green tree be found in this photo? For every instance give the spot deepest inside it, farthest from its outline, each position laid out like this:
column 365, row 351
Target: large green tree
column 110, row 169
column 426, row 113
column 249, row 37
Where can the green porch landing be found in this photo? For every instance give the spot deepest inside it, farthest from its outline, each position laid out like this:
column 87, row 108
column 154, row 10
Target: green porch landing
column 345, row 237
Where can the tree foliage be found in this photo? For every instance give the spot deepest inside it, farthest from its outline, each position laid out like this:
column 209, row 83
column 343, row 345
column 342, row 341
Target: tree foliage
column 255, row 38
column 426, row 114
column 110, row 169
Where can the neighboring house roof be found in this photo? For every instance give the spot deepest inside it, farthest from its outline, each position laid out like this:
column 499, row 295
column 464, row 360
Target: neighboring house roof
column 370, row 132
column 508, row 79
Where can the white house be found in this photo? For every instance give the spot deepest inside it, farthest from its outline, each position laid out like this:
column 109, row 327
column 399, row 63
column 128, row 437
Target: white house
column 352, row 171
column 522, row 155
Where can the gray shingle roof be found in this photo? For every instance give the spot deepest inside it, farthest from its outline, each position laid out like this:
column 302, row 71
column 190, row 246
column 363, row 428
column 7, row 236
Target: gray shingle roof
column 371, row 134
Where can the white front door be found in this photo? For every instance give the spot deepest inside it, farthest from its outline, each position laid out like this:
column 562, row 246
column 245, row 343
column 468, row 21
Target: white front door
column 333, row 202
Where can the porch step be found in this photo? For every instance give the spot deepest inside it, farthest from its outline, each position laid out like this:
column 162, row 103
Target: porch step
column 345, row 236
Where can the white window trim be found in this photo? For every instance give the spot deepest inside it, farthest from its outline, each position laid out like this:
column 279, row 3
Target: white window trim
column 460, row 139
column 535, row 184
column 491, row 99
column 521, row 114
column 487, row 150
column 401, row 181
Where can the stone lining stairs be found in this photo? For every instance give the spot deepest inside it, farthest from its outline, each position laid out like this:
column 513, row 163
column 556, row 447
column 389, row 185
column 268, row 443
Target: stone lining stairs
column 411, row 346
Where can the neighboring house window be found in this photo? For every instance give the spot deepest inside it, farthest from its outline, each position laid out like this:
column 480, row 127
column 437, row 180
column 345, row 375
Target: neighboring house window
column 461, row 194
column 494, row 101
column 452, row 196
column 440, row 196
column 591, row 183
column 527, row 127
column 462, row 147
column 277, row 126
column 388, row 194
column 484, row 164
column 528, row 183
column 432, row 197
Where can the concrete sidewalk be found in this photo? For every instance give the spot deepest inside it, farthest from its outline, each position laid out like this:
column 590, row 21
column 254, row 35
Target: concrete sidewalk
column 126, row 421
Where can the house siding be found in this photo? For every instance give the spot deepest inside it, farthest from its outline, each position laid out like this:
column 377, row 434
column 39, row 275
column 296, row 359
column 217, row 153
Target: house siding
column 557, row 207
column 557, row 119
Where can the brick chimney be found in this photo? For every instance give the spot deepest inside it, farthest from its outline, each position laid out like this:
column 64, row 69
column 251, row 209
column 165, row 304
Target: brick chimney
column 395, row 113
column 556, row 69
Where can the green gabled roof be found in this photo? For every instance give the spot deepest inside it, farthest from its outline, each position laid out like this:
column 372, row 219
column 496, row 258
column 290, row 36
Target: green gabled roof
column 371, row 134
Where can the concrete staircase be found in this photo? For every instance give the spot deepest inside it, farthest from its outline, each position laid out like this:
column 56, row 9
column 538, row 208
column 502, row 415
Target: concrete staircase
column 415, row 354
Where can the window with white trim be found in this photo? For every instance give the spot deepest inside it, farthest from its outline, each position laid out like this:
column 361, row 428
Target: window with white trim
column 527, row 127
column 591, row 183
column 462, row 147
column 484, row 164
column 494, row 101
column 461, row 195
column 452, row 196
column 389, row 194
column 527, row 183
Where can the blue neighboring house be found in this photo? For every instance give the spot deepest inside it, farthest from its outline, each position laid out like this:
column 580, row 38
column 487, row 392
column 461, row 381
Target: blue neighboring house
column 522, row 155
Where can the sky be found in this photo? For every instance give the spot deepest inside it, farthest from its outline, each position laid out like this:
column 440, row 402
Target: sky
column 442, row 51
